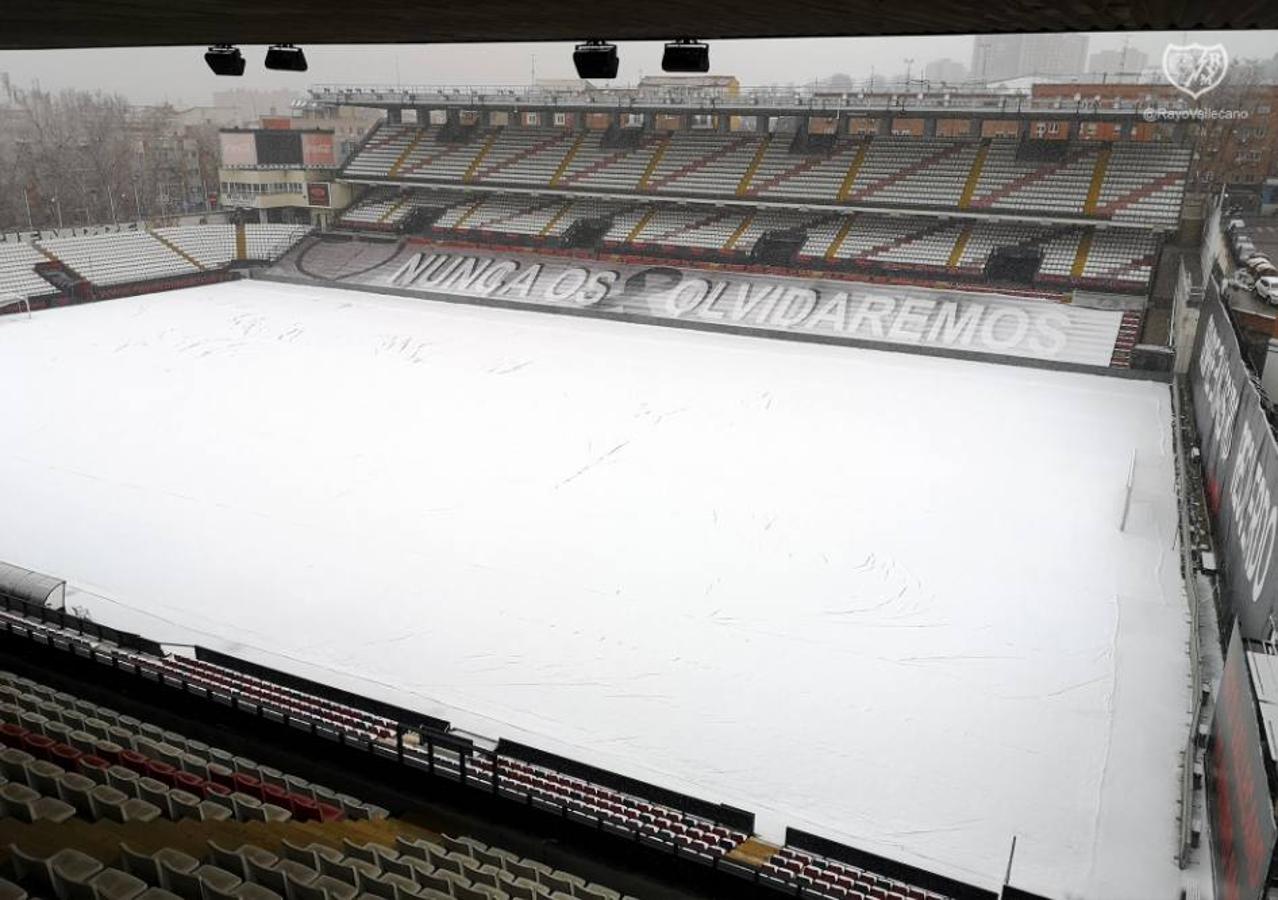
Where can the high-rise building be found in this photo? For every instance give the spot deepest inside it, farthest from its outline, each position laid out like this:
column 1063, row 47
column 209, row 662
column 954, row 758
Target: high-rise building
column 1127, row 61
column 948, row 71
column 999, row 57
column 996, row 57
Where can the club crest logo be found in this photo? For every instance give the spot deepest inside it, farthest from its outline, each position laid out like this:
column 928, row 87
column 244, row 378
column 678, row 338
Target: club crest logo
column 1195, row 69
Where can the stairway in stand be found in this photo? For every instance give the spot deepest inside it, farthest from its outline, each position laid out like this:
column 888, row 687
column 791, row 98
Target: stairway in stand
column 753, row 852
column 102, row 839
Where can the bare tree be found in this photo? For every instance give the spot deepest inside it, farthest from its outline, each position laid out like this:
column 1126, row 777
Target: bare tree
column 84, row 157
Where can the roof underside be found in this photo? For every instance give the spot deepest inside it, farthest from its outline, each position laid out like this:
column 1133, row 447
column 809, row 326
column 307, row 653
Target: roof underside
column 125, row 23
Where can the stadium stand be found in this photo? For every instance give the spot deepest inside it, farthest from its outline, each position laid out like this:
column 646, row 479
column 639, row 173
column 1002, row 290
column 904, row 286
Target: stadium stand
column 124, row 862
column 595, row 167
column 118, row 258
column 111, row 260
column 1136, row 183
column 338, row 861
column 209, row 245
column 57, row 745
column 1119, row 259
column 1143, row 186
column 266, row 243
column 17, row 270
column 328, row 713
column 818, row 876
column 100, row 804
column 1042, row 215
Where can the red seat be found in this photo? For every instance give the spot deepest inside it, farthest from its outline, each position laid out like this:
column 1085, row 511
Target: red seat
column 161, row 771
column 189, row 781
column 246, row 784
column 304, row 809
column 104, row 750
column 273, row 793
column 64, row 756
column 330, row 813
column 93, row 766
column 11, row 733
column 37, row 745
column 131, row 759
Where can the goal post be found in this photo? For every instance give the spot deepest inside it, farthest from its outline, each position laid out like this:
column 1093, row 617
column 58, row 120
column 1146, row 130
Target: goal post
column 1127, row 493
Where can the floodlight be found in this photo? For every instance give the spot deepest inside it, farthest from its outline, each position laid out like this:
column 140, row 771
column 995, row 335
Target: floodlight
column 224, row 59
column 686, row 56
column 286, row 58
column 596, row 59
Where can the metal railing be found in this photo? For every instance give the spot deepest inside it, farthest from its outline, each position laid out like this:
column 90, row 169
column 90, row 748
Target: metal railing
column 1184, row 485
column 763, row 98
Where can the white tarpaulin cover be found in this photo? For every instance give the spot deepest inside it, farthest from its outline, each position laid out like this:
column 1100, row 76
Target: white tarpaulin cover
column 877, row 596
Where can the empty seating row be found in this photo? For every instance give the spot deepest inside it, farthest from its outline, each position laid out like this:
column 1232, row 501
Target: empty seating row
column 458, row 868
column 900, row 171
column 385, row 210
column 212, row 246
column 337, row 715
column 592, row 166
column 458, row 862
column 62, row 757
column 1144, row 187
column 17, row 271
column 64, row 737
column 1056, row 187
column 269, row 242
column 828, row 878
column 1113, row 258
column 693, row 835
column 108, row 259
column 1122, row 256
column 123, row 257
column 1138, row 182
column 380, row 151
column 233, row 779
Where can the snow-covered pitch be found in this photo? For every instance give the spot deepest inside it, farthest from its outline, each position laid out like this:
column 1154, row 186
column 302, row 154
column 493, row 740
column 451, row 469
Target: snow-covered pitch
column 876, row 596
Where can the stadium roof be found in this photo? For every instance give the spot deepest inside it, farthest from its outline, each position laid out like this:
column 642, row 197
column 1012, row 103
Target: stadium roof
column 128, row 23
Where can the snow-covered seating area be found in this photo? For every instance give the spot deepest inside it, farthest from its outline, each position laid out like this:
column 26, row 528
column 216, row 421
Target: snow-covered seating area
column 1144, row 183
column 380, row 152
column 213, row 246
column 1118, row 258
column 109, row 259
column 269, row 242
column 17, row 270
column 1127, row 181
column 1122, row 255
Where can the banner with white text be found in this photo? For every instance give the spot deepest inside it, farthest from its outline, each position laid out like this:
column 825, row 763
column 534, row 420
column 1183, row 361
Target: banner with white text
column 1240, row 464
column 992, row 324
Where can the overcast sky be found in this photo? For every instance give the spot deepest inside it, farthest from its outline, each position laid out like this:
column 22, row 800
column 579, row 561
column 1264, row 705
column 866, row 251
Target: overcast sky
column 178, row 74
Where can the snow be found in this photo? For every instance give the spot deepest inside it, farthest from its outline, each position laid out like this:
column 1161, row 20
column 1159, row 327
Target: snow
column 879, row 597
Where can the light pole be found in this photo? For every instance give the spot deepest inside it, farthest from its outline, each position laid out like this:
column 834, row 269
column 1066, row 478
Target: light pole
column 909, row 70
column 55, row 202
